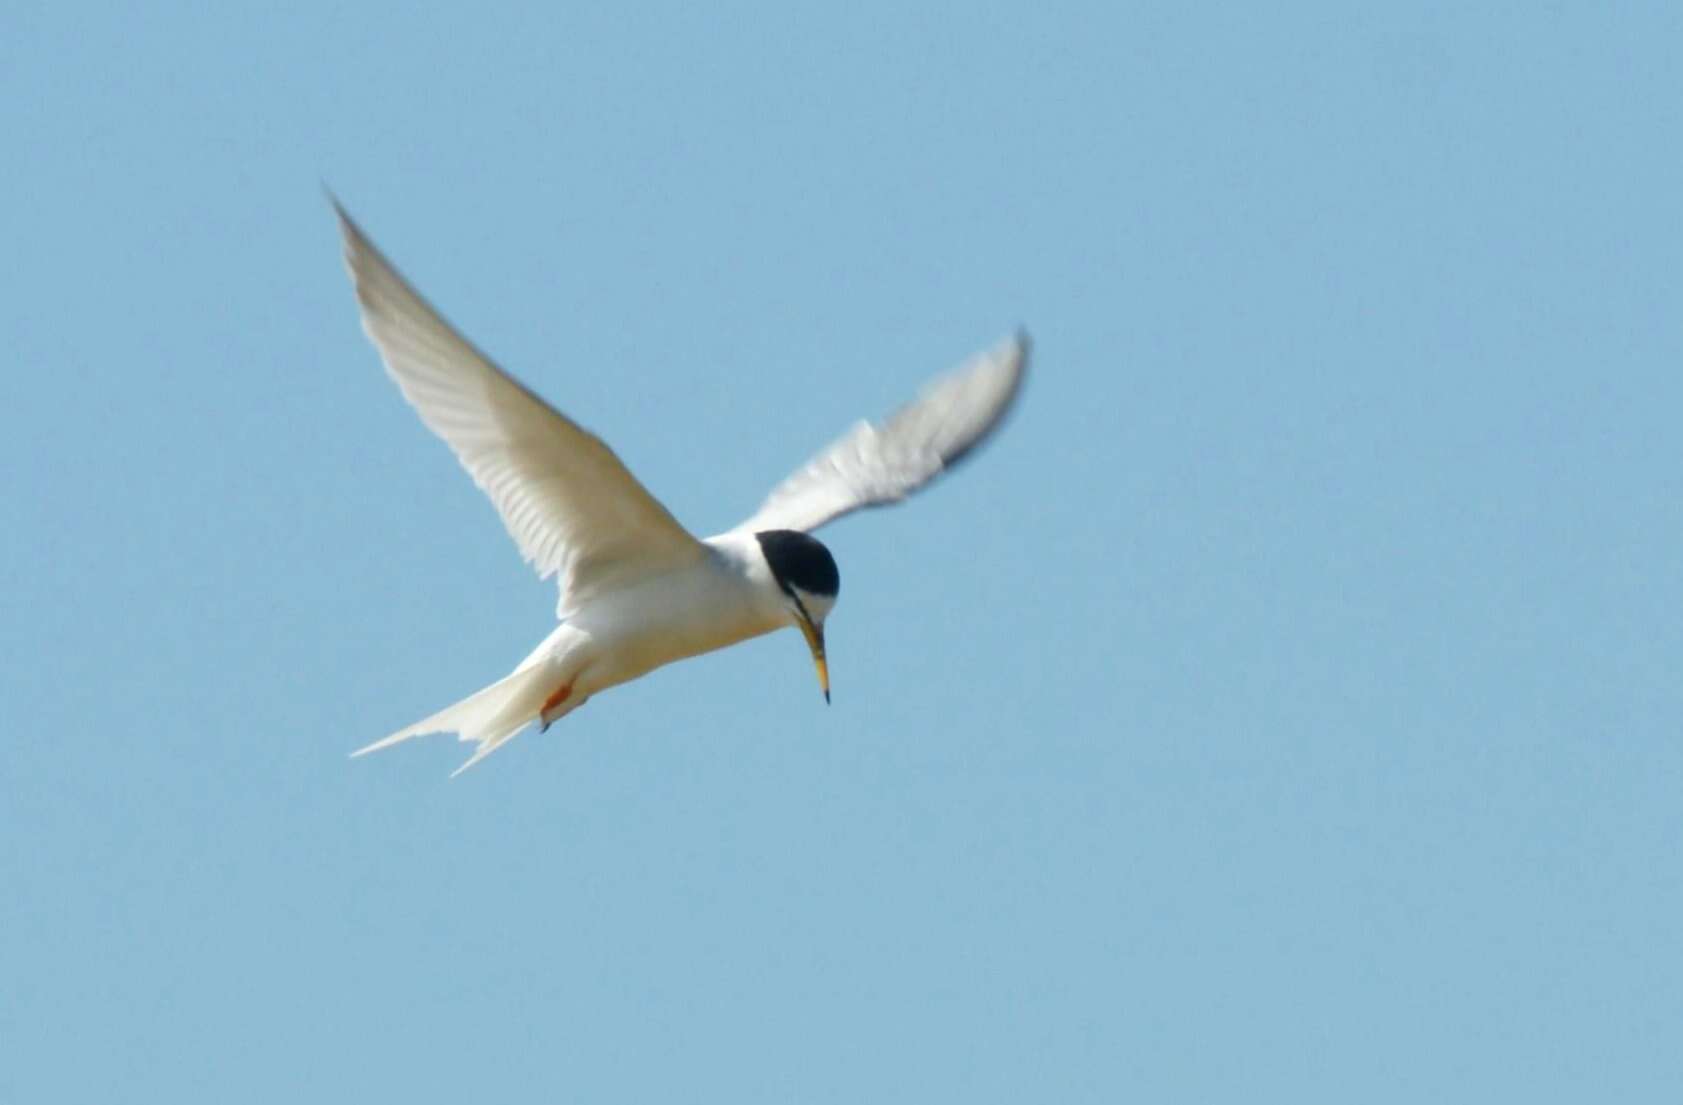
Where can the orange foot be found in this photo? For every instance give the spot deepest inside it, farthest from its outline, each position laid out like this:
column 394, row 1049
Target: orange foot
column 553, row 702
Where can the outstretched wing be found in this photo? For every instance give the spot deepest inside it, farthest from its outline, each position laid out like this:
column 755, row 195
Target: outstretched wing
column 573, row 508
column 873, row 465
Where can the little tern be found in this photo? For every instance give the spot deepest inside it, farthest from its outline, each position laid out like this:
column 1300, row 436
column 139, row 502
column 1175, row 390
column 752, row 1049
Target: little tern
column 637, row 589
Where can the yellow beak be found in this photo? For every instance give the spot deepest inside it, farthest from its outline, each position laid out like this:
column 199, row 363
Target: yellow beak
column 815, row 641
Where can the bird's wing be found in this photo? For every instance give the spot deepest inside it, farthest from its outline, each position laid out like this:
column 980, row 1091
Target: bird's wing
column 573, row 508
column 874, row 465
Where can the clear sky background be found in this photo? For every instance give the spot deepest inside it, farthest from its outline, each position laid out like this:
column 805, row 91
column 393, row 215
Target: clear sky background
column 1286, row 707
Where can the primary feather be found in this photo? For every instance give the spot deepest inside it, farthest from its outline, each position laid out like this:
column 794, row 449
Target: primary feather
column 873, row 465
column 570, row 504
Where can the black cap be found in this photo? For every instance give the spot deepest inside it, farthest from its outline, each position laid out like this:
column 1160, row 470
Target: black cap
column 800, row 561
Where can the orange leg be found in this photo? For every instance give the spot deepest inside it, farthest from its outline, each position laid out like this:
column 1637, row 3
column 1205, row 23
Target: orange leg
column 561, row 695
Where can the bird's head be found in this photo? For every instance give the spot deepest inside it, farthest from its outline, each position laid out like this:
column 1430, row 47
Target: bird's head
column 806, row 574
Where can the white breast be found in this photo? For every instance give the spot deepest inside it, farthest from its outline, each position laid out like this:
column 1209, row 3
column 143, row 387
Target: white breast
column 712, row 604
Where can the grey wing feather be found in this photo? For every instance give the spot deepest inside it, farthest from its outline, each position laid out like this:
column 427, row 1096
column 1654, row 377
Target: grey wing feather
column 573, row 508
column 874, row 465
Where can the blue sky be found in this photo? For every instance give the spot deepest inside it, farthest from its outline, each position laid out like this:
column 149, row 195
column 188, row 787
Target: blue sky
column 1285, row 707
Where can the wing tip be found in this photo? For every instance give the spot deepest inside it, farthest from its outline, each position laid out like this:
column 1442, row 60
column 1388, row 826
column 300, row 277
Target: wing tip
column 338, row 206
column 1018, row 347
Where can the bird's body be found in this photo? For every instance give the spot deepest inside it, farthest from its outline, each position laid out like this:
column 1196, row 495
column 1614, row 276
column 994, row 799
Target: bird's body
column 725, row 597
column 637, row 590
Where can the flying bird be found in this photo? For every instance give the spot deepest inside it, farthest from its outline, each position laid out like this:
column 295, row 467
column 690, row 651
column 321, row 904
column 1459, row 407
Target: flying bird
column 637, row 589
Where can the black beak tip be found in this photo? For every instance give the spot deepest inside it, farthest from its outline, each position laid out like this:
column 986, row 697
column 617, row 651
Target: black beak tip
column 826, row 698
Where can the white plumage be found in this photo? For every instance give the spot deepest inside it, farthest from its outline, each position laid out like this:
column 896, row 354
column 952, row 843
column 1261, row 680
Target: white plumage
column 875, row 465
column 573, row 508
column 637, row 590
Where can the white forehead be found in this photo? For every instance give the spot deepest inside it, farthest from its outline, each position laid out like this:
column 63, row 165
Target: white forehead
column 818, row 607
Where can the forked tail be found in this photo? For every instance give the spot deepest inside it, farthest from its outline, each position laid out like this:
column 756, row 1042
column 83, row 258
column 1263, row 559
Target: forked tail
column 488, row 717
